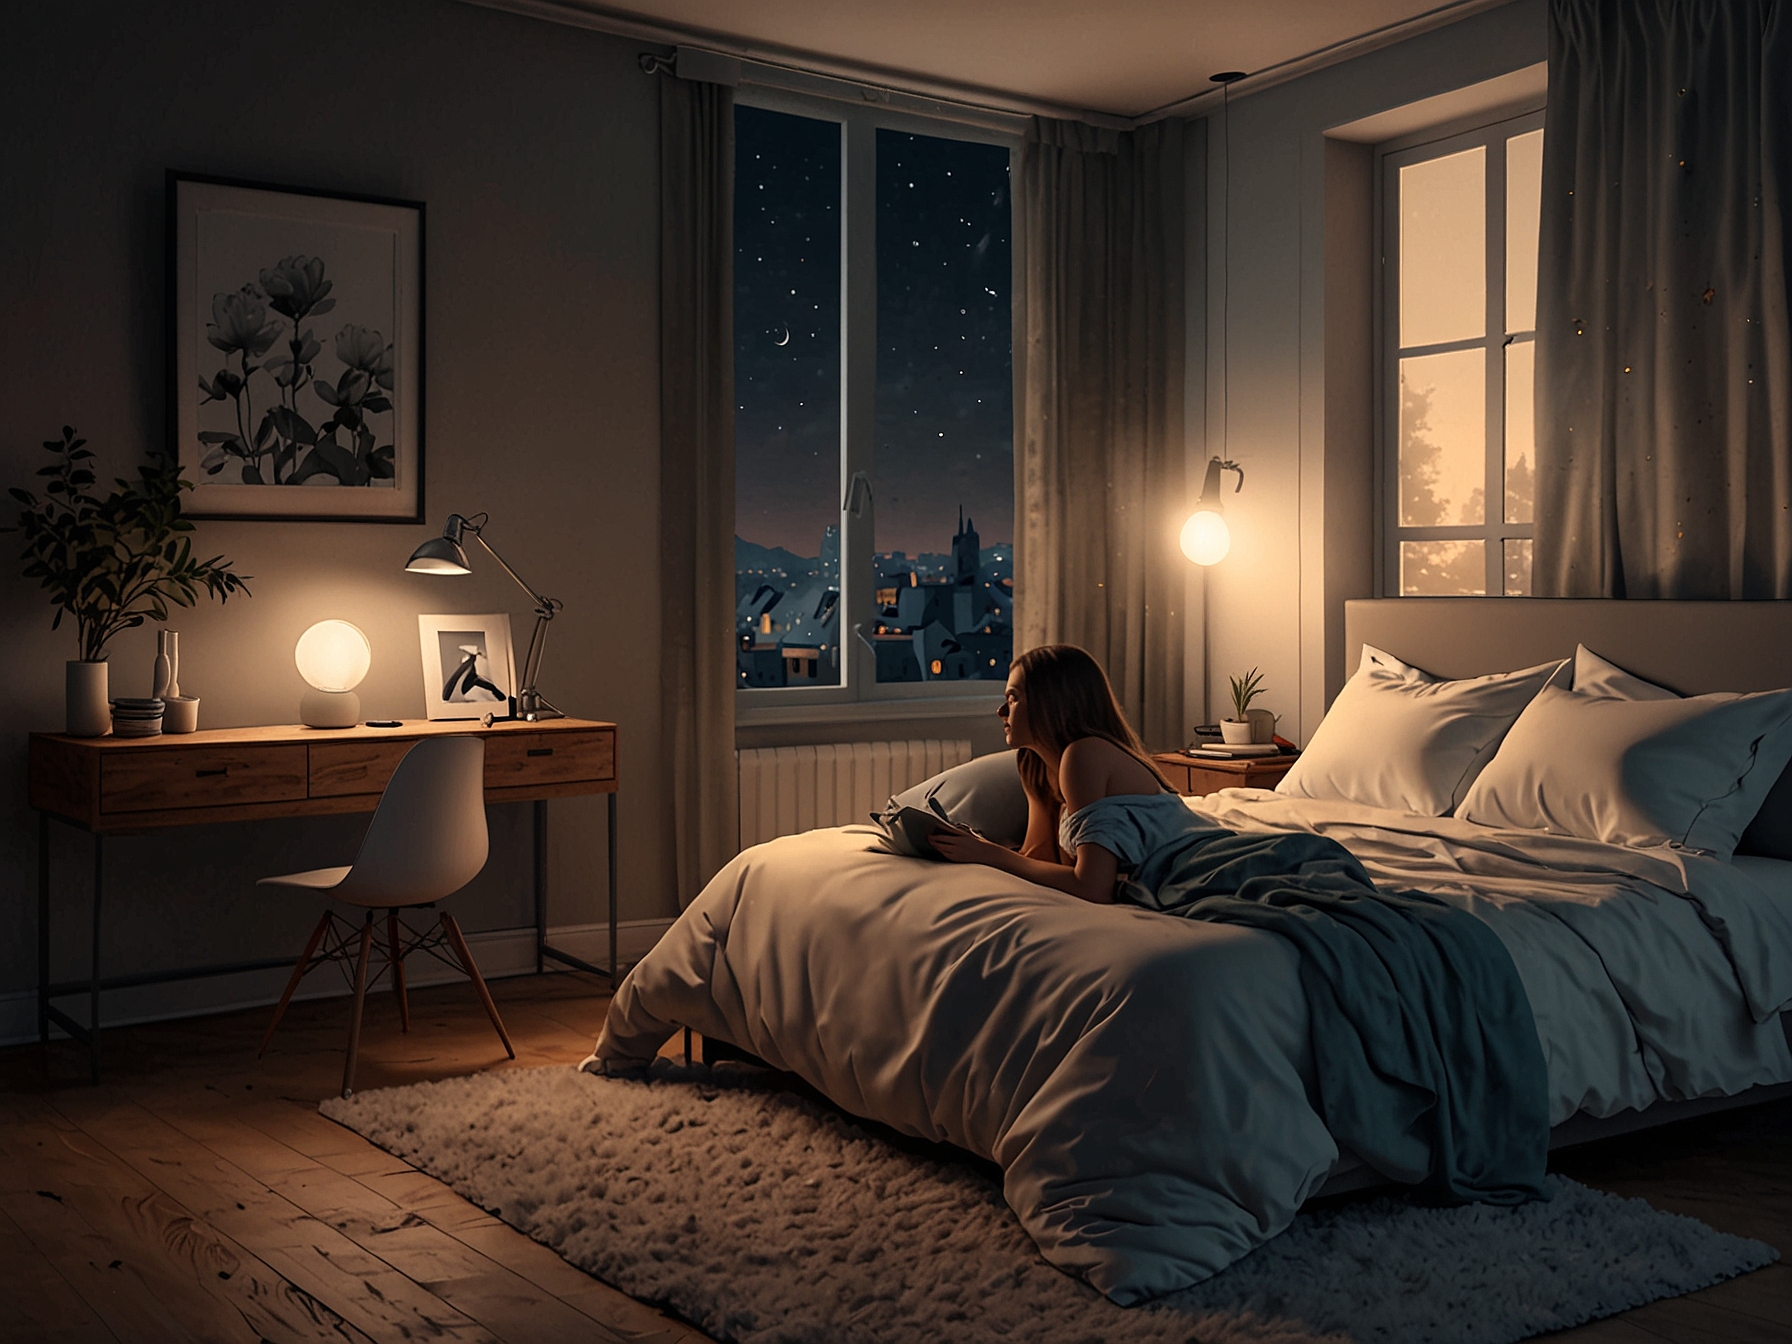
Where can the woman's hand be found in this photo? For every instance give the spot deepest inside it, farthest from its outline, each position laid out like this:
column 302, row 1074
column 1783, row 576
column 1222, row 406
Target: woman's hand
column 961, row 847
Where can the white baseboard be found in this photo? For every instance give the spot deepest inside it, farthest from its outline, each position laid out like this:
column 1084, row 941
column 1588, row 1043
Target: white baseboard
column 500, row 953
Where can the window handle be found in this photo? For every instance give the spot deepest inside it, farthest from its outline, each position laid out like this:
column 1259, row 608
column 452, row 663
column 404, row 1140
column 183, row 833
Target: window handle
column 858, row 495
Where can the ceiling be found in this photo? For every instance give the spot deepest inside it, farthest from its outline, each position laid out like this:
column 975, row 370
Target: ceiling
column 1124, row 58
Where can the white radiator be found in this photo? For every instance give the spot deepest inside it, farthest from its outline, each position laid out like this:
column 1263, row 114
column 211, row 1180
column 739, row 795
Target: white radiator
column 784, row 790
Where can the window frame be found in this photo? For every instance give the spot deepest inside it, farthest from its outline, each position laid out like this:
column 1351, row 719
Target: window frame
column 859, row 688
column 1490, row 133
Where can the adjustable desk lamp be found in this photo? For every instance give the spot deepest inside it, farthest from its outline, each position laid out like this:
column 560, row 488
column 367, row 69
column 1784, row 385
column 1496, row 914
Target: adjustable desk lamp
column 446, row 555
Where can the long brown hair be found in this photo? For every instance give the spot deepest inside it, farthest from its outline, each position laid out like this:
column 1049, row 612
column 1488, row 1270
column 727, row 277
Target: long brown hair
column 1069, row 698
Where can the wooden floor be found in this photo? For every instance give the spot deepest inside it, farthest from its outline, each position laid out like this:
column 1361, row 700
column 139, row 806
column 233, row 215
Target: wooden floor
column 197, row 1194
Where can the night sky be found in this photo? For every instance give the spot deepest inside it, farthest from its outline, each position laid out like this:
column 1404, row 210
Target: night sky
column 944, row 399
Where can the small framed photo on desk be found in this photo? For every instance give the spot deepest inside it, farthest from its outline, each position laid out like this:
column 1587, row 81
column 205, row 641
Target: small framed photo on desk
column 467, row 670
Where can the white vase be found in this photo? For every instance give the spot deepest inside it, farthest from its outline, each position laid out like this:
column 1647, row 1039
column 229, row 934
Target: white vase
column 89, row 707
column 1235, row 732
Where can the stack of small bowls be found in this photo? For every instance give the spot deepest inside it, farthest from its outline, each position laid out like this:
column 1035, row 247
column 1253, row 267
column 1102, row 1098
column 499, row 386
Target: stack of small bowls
column 137, row 718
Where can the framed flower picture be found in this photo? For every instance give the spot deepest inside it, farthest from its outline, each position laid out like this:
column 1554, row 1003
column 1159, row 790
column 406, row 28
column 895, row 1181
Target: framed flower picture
column 296, row 352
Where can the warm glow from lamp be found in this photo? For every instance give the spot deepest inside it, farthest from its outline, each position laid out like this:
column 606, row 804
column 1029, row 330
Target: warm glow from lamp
column 333, row 657
column 1205, row 537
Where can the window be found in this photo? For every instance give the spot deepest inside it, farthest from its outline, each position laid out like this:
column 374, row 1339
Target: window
column 1459, row 226
column 874, row 436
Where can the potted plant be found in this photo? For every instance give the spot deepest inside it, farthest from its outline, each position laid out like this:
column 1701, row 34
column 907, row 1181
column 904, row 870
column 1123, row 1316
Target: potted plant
column 1242, row 727
column 111, row 563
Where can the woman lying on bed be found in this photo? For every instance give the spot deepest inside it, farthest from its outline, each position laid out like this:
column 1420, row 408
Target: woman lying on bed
column 1450, row 1086
column 1086, row 775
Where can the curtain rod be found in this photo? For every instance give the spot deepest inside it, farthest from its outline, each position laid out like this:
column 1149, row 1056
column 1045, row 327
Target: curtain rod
column 766, row 64
column 1282, row 72
column 945, row 96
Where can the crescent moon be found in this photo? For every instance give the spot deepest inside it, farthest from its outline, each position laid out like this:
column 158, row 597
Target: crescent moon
column 786, row 340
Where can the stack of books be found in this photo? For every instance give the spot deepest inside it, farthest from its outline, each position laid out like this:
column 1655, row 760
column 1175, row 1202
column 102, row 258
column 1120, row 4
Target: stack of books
column 137, row 718
column 1234, row 752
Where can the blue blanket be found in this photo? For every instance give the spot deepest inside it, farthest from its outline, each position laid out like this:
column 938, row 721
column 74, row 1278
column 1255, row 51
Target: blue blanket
column 1424, row 1045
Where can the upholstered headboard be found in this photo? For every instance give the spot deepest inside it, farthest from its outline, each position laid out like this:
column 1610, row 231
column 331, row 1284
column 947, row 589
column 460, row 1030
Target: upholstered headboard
column 1691, row 647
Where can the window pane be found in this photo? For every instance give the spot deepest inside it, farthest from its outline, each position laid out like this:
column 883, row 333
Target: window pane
column 787, row 398
column 1524, row 201
column 1521, row 479
column 1443, row 568
column 1443, row 249
column 944, row 478
column 1443, row 438
column 1518, row 567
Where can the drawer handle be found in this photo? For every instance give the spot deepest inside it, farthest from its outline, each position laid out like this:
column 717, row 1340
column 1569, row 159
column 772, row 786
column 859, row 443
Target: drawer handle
column 216, row 770
column 541, row 751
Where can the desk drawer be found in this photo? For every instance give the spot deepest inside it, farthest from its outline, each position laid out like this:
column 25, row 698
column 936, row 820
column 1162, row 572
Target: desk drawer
column 153, row 780
column 341, row 769
column 516, row 759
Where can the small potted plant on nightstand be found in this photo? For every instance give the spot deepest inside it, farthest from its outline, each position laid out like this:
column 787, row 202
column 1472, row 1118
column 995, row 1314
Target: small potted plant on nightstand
column 1241, row 728
column 111, row 563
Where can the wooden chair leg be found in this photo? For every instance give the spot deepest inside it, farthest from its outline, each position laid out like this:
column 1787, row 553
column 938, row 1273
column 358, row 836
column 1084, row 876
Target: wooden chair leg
column 354, row 1022
column 459, row 944
column 397, row 949
column 298, row 974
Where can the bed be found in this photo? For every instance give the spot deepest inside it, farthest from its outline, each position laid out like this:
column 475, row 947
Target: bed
column 1146, row 1084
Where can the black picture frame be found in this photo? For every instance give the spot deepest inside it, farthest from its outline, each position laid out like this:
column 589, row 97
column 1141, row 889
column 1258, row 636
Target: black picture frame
column 295, row 351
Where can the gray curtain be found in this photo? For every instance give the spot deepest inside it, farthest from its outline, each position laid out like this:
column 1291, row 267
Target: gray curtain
column 1103, row 478
column 1664, row 382
column 697, row 472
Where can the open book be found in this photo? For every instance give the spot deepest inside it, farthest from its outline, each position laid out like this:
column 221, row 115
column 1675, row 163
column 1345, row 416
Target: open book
column 910, row 829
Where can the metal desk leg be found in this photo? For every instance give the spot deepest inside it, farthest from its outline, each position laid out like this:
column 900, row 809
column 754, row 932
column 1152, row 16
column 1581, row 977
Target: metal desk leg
column 541, row 879
column 43, row 928
column 612, row 797
column 93, row 993
column 542, row 948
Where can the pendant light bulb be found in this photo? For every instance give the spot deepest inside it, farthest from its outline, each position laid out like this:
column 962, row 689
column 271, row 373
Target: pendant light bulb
column 1205, row 537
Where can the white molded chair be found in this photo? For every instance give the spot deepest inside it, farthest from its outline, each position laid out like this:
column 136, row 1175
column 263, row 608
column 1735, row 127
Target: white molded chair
column 427, row 840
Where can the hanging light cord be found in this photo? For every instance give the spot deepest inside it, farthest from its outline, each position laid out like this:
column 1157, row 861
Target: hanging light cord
column 1226, row 275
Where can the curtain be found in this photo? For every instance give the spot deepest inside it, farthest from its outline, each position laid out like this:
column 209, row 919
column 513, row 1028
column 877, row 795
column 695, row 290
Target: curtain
column 1664, row 383
column 697, row 472
column 1102, row 474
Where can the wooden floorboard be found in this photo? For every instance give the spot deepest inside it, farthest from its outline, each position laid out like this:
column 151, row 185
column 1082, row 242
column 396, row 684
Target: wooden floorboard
column 197, row 1193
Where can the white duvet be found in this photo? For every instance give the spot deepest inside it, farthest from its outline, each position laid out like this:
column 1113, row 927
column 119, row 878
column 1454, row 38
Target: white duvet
column 1145, row 1082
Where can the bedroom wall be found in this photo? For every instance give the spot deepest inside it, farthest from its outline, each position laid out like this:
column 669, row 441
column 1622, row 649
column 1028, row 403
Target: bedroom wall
column 534, row 147
column 1299, row 350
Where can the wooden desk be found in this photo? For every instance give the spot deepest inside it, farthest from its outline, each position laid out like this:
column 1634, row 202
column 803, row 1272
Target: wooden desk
column 1195, row 776
column 112, row 786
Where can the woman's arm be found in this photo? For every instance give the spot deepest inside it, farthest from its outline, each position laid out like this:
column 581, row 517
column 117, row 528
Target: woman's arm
column 1092, row 878
column 1042, row 828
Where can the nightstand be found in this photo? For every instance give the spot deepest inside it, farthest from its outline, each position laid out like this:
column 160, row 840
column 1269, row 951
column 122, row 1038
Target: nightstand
column 1194, row 776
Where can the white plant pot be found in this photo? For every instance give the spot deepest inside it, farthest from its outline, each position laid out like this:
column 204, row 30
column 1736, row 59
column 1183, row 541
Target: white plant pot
column 1235, row 732
column 89, row 706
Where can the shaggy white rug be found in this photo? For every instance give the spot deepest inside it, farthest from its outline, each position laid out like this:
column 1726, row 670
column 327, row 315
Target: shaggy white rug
column 760, row 1213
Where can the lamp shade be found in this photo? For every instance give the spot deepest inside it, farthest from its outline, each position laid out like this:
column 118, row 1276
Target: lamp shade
column 1205, row 537
column 439, row 555
column 333, row 656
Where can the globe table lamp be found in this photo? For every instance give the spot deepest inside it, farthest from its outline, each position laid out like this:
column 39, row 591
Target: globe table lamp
column 332, row 656
column 447, row 554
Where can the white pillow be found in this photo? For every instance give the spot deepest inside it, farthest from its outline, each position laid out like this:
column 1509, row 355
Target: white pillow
column 1594, row 676
column 984, row 793
column 1374, row 657
column 1403, row 739
column 1687, row 772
